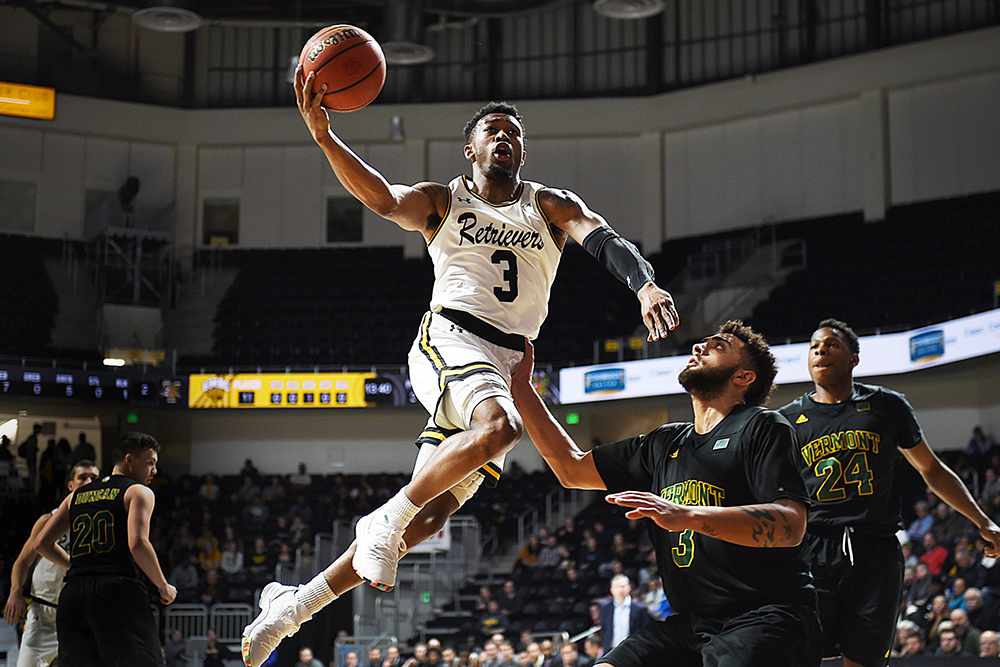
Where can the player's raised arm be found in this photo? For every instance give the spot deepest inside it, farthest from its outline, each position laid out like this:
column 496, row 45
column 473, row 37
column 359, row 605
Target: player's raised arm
column 415, row 207
column 574, row 468
column 569, row 213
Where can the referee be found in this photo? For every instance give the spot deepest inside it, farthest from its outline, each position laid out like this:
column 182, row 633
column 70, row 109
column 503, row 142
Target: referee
column 104, row 618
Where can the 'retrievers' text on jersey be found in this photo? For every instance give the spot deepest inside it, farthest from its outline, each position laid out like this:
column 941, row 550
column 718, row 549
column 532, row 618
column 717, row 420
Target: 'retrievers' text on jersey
column 849, row 456
column 98, row 525
column 745, row 460
column 495, row 261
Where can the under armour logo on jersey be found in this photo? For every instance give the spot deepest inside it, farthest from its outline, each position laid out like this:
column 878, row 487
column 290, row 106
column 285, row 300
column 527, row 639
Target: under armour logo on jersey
column 802, row 419
column 455, row 327
column 721, row 444
column 467, row 200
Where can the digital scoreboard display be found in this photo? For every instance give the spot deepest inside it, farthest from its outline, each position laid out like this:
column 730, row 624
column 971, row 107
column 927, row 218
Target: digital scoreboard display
column 299, row 390
column 93, row 385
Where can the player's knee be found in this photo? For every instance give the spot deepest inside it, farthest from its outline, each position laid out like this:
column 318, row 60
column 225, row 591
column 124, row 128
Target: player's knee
column 499, row 434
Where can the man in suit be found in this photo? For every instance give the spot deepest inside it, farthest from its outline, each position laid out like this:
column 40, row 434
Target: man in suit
column 621, row 616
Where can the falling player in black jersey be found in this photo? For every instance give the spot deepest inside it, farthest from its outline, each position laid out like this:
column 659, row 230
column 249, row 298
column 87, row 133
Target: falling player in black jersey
column 850, row 439
column 727, row 511
column 104, row 618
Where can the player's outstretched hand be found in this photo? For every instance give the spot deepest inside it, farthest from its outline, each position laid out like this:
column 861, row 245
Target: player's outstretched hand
column 991, row 535
column 310, row 104
column 15, row 609
column 667, row 515
column 168, row 594
column 521, row 377
column 658, row 311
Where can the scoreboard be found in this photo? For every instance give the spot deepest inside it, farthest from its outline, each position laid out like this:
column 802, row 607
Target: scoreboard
column 94, row 385
column 299, row 390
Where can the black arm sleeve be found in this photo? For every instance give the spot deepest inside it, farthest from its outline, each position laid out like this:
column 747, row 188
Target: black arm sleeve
column 619, row 256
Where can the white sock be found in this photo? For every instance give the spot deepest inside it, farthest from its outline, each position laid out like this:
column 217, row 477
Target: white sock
column 402, row 508
column 316, row 594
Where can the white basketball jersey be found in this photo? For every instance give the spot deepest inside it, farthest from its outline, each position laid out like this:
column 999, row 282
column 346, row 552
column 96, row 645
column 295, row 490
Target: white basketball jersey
column 47, row 578
column 495, row 261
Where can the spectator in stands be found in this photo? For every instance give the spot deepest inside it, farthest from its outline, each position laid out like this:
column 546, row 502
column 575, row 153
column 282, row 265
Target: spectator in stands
column 931, row 619
column 956, row 596
column 910, row 559
column 250, row 470
column 593, row 649
column 570, row 656
column 569, row 535
column 350, row 659
column 508, row 658
column 949, row 525
column 923, row 583
column 966, row 567
column 259, row 562
column 47, row 487
column 950, row 645
column 231, row 562
column 185, row 577
column 301, row 480
column 935, row 555
column 374, row 657
column 535, row 657
column 392, row 657
column 590, row 557
column 248, row 490
column 990, row 490
column 449, row 658
column 549, row 556
column 216, row 654
column 510, row 599
column 419, row 657
column 213, row 589
column 655, row 599
column 209, row 556
column 982, row 613
column 527, row 559
column 173, row 650
column 904, row 629
column 967, row 635
column 619, row 616
column 922, row 523
column 980, row 445
column 255, row 515
column 306, row 658
column 274, row 492
column 914, row 646
column 5, row 453
column 83, row 451
column 989, row 645
column 490, row 655
column 209, row 489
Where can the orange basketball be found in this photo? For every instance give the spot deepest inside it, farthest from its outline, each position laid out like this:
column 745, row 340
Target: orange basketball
column 349, row 61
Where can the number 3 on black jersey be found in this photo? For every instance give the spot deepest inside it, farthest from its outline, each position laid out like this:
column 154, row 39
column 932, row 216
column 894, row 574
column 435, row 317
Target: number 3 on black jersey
column 93, row 533
column 509, row 259
column 856, row 472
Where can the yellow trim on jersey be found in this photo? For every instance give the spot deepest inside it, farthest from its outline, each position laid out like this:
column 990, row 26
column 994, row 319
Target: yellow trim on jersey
column 443, row 218
column 512, row 200
column 446, row 374
column 548, row 224
column 492, row 469
column 432, row 435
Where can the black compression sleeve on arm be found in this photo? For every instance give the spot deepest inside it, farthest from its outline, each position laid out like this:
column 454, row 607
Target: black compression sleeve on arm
column 619, row 256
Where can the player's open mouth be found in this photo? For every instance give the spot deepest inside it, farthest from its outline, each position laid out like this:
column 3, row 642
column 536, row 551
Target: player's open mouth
column 502, row 153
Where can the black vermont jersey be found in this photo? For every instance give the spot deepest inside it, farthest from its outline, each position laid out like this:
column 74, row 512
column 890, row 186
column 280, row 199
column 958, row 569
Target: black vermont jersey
column 99, row 530
column 848, row 455
column 745, row 460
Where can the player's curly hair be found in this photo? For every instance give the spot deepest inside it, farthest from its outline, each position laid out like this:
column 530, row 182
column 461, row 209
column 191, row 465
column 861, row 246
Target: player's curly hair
column 846, row 332
column 757, row 355
column 492, row 107
column 133, row 442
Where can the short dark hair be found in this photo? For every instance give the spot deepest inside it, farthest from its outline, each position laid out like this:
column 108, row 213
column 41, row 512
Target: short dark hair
column 757, row 354
column 844, row 330
column 133, row 442
column 82, row 463
column 490, row 108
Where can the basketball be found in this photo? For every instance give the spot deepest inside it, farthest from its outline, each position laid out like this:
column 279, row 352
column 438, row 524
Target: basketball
column 349, row 61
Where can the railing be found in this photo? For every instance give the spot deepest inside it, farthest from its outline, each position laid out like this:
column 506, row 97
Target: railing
column 559, row 505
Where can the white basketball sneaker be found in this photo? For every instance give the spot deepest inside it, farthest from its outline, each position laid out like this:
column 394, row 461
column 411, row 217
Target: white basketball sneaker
column 379, row 547
column 280, row 616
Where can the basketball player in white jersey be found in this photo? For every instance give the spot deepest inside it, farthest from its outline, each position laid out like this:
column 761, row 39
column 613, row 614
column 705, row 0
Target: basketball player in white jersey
column 39, row 646
column 495, row 241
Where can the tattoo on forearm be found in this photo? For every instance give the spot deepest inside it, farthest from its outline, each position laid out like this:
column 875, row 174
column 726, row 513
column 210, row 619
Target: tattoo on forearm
column 708, row 530
column 764, row 524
